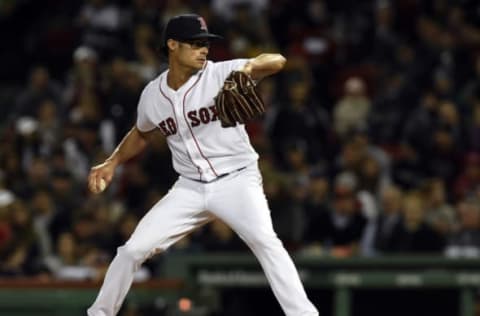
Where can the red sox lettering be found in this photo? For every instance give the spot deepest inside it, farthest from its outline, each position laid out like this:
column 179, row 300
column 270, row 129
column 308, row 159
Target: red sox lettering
column 168, row 127
column 203, row 115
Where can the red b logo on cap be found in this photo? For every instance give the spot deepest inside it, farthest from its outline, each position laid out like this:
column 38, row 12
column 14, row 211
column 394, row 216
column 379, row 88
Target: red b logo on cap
column 203, row 25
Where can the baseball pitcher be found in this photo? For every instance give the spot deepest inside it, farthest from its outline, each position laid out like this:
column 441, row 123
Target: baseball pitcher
column 200, row 107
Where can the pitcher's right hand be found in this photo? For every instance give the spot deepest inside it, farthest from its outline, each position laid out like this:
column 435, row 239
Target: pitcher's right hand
column 103, row 171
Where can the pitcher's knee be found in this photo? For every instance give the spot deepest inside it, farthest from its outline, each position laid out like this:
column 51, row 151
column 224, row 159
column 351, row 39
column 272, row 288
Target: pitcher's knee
column 133, row 253
column 268, row 240
column 138, row 253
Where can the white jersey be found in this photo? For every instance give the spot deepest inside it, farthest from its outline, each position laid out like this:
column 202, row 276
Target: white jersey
column 201, row 148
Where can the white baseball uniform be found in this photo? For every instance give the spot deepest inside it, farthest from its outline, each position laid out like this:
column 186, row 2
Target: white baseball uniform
column 219, row 177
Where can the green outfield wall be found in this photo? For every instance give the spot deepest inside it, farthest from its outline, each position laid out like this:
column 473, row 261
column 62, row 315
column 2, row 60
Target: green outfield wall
column 340, row 284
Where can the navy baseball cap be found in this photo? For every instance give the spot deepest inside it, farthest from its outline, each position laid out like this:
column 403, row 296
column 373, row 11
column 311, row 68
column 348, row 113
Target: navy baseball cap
column 187, row 27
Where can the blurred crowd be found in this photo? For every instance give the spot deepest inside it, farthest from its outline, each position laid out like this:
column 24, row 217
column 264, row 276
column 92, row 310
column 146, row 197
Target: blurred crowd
column 370, row 146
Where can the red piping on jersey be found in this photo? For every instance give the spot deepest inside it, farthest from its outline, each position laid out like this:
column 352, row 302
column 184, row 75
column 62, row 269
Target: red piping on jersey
column 193, row 135
column 199, row 170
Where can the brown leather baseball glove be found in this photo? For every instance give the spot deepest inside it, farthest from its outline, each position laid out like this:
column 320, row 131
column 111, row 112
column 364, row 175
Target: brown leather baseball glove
column 238, row 101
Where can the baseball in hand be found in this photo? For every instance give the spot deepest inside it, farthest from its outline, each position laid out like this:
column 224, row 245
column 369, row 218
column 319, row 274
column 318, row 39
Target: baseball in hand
column 102, row 185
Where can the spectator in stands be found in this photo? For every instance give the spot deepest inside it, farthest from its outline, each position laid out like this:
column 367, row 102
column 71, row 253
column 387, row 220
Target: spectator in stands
column 416, row 138
column 43, row 213
column 69, row 261
column 40, row 87
column 340, row 229
column 371, row 178
column 64, row 196
column 172, row 8
column 440, row 215
column 87, row 108
column 389, row 220
column 444, row 152
column 49, row 127
column 317, row 195
column 373, row 167
column 38, row 177
column 386, row 40
column 369, row 164
column 465, row 240
column 248, row 30
column 420, row 124
column 301, row 120
column 20, row 255
column 469, row 178
column 83, row 76
column 147, row 64
column 103, row 26
column 414, row 235
column 123, row 88
column 13, row 175
column 227, row 8
column 85, row 141
column 351, row 111
column 144, row 12
column 64, row 262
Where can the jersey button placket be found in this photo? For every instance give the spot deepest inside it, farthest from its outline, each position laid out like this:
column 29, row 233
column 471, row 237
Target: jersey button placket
column 186, row 135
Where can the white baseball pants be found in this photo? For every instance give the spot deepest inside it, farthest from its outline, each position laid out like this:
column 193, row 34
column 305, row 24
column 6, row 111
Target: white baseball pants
column 239, row 201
